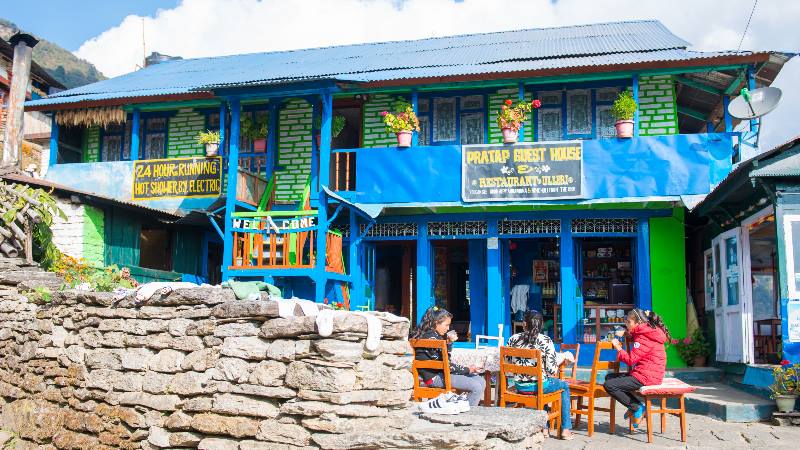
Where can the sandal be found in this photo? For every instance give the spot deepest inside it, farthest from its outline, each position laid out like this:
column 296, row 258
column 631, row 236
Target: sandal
column 567, row 437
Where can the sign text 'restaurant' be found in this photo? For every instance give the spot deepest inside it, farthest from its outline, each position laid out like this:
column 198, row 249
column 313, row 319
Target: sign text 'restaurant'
column 177, row 177
column 530, row 171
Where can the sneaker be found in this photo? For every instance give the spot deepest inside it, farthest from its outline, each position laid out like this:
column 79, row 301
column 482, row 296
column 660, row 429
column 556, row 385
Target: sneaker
column 441, row 405
column 637, row 416
column 461, row 402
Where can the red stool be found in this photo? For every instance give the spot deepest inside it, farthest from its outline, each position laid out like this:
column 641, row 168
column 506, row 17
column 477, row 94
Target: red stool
column 669, row 388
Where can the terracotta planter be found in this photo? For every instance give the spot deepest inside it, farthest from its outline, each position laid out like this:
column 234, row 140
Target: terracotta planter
column 404, row 139
column 785, row 403
column 212, row 149
column 699, row 361
column 624, row 128
column 510, row 136
column 260, row 145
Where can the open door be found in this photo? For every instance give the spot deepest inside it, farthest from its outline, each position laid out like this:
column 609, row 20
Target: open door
column 730, row 311
column 368, row 271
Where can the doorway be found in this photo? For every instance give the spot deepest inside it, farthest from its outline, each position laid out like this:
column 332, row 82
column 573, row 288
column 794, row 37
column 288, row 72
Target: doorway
column 394, row 284
column 760, row 253
column 535, row 282
column 451, row 284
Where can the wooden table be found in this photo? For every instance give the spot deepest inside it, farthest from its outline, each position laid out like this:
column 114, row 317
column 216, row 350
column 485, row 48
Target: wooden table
column 486, row 357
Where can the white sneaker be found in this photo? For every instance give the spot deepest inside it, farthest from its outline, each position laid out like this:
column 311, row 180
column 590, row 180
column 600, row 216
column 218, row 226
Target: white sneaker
column 441, row 405
column 461, row 402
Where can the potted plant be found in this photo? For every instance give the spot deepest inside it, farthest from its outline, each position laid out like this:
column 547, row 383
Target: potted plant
column 510, row 118
column 210, row 139
column 784, row 388
column 337, row 125
column 255, row 129
column 693, row 349
column 402, row 123
column 622, row 110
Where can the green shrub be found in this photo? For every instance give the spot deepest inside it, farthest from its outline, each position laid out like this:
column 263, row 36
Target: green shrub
column 624, row 106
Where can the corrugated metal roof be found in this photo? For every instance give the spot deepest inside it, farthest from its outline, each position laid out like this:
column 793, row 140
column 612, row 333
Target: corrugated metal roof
column 502, row 52
column 788, row 166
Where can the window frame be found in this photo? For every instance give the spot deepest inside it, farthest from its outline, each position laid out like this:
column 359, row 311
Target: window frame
column 144, row 131
column 459, row 110
column 122, row 134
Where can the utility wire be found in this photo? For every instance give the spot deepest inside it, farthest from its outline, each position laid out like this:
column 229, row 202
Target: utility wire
column 746, row 27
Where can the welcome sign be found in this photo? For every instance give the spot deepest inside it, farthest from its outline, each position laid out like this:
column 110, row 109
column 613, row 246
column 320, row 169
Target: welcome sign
column 177, row 177
column 527, row 171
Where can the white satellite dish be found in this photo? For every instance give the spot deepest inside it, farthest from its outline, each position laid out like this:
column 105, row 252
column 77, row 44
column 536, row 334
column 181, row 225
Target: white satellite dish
column 755, row 103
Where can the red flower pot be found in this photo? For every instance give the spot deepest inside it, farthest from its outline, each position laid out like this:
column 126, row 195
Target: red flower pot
column 259, row 145
column 510, row 136
column 404, row 139
column 624, row 128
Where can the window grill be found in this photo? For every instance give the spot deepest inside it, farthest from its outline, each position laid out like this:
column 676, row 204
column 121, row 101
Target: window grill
column 471, row 227
column 604, row 225
column 540, row 226
column 399, row 229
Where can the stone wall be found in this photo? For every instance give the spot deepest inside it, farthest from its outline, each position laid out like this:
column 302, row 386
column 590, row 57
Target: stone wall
column 196, row 368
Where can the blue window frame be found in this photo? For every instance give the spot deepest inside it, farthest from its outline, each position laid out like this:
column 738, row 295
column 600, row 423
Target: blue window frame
column 253, row 153
column 452, row 119
column 153, row 137
column 115, row 142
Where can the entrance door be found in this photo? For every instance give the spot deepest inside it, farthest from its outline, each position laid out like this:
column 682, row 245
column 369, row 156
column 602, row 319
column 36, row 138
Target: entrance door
column 730, row 313
column 368, row 269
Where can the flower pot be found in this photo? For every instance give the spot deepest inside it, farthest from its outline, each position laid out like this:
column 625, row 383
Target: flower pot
column 404, row 139
column 699, row 361
column 624, row 128
column 260, row 145
column 212, row 149
column 510, row 136
column 785, row 402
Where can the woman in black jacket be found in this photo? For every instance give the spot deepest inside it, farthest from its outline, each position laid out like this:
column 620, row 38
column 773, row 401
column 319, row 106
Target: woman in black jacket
column 435, row 324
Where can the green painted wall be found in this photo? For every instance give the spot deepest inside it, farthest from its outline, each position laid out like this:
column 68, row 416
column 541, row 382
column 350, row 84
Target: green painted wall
column 182, row 133
column 668, row 276
column 187, row 251
column 375, row 134
column 92, row 145
column 658, row 114
column 93, row 235
column 122, row 238
column 294, row 150
column 495, row 102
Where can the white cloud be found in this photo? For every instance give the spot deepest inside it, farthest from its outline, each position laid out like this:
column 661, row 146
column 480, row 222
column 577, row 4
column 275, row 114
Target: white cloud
column 197, row 28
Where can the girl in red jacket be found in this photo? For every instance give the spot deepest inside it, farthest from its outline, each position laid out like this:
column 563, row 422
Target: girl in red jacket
column 647, row 360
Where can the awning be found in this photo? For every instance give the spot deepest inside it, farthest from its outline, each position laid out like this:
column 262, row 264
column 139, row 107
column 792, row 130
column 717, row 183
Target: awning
column 368, row 211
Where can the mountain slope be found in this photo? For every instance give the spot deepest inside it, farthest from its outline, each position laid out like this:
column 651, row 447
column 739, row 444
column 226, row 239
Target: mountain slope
column 61, row 64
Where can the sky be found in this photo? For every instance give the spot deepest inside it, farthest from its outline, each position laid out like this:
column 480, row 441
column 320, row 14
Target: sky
column 108, row 33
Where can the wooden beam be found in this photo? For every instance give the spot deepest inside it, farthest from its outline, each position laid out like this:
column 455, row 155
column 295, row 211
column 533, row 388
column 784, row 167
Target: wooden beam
column 697, row 85
column 692, row 113
column 120, row 101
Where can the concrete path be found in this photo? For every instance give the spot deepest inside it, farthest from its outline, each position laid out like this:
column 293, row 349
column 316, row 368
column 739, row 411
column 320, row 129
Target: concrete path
column 702, row 433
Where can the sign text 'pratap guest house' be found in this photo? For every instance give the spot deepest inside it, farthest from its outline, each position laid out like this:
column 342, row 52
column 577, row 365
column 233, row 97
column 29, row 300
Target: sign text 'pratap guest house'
column 177, row 177
column 534, row 171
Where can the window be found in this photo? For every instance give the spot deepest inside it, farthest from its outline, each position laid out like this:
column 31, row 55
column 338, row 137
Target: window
column 154, row 138
column 444, row 119
column 116, row 142
column 791, row 230
column 452, row 120
column 549, row 124
column 579, row 115
column 155, row 248
column 576, row 113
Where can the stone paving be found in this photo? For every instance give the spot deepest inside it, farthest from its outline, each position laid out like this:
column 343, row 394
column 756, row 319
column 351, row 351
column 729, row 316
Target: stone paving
column 702, row 433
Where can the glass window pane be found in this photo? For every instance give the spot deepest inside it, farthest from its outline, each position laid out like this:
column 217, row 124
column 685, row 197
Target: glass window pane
column 472, row 102
column 549, row 124
column 156, row 124
column 422, row 137
column 709, row 284
column 126, row 142
column 444, row 119
column 423, row 105
column 112, row 146
column 605, row 122
column 579, row 117
column 717, row 275
column 213, row 122
column 732, row 270
column 550, row 97
column 607, row 94
column 471, row 128
column 154, row 146
column 795, row 244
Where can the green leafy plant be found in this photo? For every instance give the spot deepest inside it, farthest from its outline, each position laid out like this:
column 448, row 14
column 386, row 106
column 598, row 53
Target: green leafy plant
column 255, row 128
column 337, row 124
column 108, row 279
column 512, row 116
column 403, row 120
column 624, row 106
column 74, row 271
column 786, row 379
column 39, row 295
column 692, row 347
column 208, row 137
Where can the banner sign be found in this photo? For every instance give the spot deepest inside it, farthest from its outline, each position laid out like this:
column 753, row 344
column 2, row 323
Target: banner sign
column 275, row 225
column 527, row 171
column 177, row 177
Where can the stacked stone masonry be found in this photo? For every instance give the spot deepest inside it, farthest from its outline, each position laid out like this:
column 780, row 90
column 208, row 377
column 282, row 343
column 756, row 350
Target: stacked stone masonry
column 197, row 368
column 657, row 111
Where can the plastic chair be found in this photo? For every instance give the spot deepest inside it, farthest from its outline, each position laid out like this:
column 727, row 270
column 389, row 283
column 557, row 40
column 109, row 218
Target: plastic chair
column 536, row 400
column 592, row 390
column 422, row 391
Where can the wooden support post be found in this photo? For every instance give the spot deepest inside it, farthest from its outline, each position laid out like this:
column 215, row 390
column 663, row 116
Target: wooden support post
column 415, row 107
column 424, row 298
column 726, row 115
column 322, row 210
column 643, row 287
column 355, row 267
column 230, row 198
column 135, row 126
column 272, row 140
column 569, row 306
column 751, row 85
column 495, row 313
column 315, row 112
column 53, row 141
column 521, row 97
column 223, row 112
column 636, row 99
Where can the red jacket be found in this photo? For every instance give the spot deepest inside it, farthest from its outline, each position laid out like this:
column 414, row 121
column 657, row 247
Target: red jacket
column 647, row 359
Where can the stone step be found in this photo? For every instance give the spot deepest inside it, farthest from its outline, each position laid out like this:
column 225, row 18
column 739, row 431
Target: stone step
column 724, row 402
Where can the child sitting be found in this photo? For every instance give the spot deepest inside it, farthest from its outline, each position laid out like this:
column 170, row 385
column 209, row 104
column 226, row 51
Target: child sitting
column 647, row 361
column 435, row 325
column 532, row 337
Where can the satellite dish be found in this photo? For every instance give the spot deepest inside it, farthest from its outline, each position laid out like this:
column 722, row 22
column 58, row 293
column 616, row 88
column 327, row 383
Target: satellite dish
column 755, row 103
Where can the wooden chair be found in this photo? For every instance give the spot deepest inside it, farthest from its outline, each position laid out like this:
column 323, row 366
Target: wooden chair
column 669, row 388
column 575, row 349
column 535, row 401
column 592, row 390
column 421, row 391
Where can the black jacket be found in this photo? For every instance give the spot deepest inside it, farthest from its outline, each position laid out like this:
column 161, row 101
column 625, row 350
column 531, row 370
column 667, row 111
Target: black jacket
column 428, row 354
